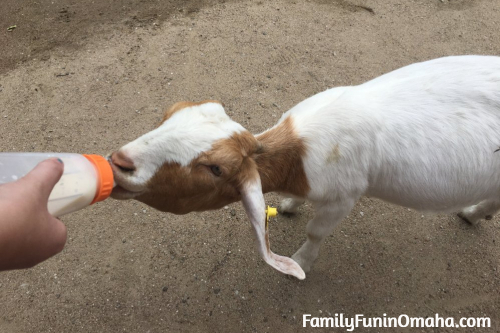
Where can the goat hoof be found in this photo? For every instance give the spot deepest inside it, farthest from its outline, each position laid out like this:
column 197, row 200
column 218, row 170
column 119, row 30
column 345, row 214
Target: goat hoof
column 465, row 218
column 288, row 207
column 488, row 217
column 304, row 264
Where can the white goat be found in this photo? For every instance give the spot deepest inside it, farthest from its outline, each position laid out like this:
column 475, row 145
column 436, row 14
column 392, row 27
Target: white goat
column 423, row 136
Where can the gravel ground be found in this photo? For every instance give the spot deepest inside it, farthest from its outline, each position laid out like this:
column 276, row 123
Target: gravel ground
column 88, row 76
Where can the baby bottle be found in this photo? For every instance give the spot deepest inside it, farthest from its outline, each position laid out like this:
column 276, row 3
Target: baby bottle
column 86, row 179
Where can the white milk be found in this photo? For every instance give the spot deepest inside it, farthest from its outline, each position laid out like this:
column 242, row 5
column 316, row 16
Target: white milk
column 76, row 189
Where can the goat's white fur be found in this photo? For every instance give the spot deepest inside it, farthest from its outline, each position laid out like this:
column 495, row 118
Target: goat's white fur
column 422, row 136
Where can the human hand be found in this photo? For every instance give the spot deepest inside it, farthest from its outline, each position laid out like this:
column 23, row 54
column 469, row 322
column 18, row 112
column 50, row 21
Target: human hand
column 28, row 233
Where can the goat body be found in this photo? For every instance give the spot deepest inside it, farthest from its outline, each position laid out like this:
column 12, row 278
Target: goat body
column 423, row 136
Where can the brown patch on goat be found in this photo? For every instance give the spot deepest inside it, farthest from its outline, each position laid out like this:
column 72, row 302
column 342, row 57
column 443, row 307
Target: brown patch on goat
column 280, row 162
column 278, row 154
column 183, row 189
column 182, row 105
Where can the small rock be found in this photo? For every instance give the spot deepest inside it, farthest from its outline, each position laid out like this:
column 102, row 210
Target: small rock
column 233, row 212
column 216, row 291
column 164, row 289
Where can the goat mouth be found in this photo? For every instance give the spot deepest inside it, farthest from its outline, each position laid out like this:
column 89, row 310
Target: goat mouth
column 121, row 193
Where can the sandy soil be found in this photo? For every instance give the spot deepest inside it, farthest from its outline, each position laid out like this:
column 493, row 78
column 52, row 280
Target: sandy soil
column 88, row 76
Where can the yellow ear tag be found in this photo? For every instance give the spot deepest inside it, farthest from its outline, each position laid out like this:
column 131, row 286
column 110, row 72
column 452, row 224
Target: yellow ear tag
column 270, row 212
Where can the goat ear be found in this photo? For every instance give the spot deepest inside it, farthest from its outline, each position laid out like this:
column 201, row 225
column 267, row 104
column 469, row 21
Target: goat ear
column 253, row 201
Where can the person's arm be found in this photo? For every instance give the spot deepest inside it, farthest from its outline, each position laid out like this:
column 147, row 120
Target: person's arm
column 28, row 233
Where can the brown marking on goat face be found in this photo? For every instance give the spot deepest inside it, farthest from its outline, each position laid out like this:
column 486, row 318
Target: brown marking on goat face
column 183, row 189
column 182, row 105
column 280, row 162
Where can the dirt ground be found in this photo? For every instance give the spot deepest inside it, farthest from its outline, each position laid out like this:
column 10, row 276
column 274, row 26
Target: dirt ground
column 88, row 76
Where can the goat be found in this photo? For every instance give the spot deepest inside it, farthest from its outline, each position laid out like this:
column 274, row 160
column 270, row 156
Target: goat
column 422, row 136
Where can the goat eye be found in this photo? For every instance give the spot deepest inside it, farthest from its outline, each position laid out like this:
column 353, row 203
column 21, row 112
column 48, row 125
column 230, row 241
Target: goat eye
column 216, row 170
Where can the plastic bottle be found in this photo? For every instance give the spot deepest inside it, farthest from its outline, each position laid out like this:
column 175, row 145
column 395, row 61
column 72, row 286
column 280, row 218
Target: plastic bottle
column 86, row 179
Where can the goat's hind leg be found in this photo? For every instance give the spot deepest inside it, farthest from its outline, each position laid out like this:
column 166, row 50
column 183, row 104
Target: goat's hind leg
column 290, row 205
column 327, row 216
column 483, row 210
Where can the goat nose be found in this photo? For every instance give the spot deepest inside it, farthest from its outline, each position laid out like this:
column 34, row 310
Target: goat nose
column 122, row 161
